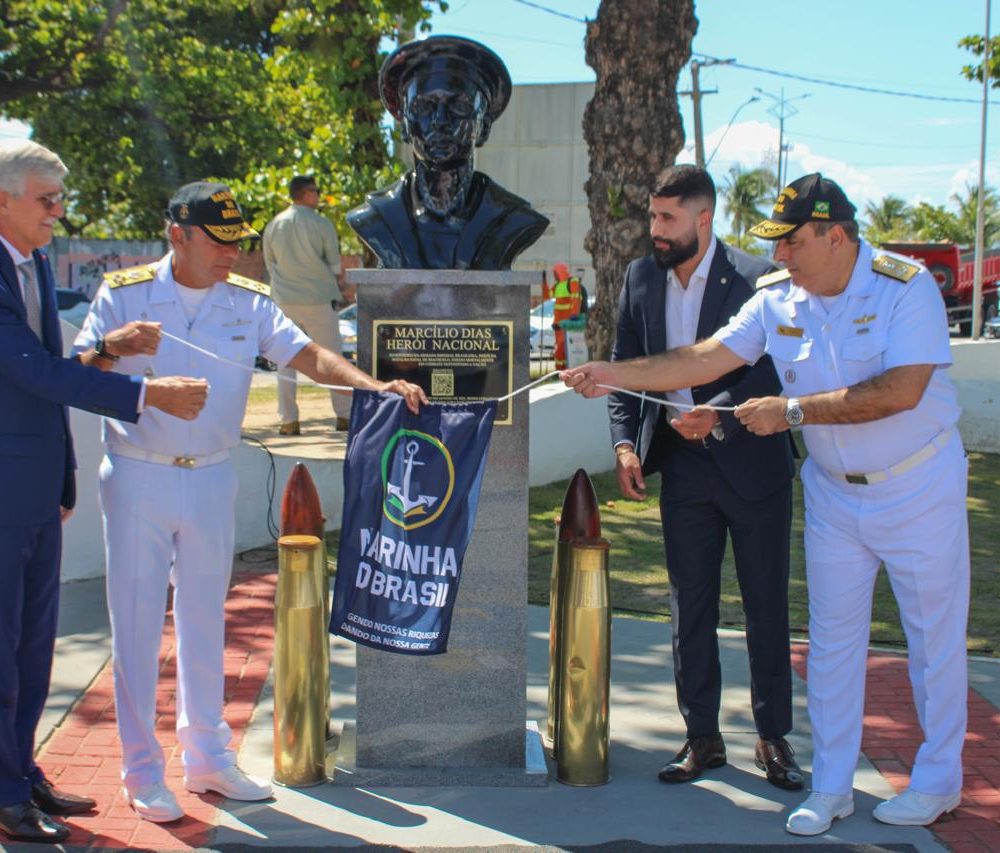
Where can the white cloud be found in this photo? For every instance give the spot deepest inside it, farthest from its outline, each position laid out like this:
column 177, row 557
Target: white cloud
column 755, row 143
column 941, row 121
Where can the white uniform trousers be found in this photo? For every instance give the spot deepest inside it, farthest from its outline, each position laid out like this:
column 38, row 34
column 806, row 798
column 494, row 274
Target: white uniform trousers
column 322, row 324
column 164, row 524
column 916, row 525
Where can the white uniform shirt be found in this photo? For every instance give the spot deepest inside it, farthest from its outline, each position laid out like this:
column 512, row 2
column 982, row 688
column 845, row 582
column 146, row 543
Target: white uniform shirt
column 877, row 323
column 234, row 323
column 683, row 307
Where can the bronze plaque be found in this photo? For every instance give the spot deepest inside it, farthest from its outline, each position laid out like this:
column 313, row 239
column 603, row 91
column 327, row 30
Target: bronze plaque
column 454, row 361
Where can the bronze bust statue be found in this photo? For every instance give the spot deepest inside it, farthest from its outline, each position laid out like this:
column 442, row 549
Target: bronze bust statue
column 446, row 92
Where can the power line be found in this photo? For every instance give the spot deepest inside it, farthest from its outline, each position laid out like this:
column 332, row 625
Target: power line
column 555, row 12
column 872, row 90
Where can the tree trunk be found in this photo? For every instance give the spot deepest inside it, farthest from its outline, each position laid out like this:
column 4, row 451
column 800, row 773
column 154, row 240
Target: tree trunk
column 633, row 130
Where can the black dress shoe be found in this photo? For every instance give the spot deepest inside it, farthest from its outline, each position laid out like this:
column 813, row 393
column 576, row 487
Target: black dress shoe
column 774, row 757
column 698, row 754
column 24, row 822
column 51, row 800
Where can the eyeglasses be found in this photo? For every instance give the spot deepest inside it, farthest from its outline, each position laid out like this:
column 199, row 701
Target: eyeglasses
column 50, row 200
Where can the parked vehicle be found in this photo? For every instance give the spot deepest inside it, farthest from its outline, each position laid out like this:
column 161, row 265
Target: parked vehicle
column 349, row 332
column 954, row 271
column 73, row 307
column 540, row 332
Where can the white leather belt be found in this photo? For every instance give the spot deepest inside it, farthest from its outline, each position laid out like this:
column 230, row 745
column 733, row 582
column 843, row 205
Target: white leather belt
column 912, row 461
column 131, row 452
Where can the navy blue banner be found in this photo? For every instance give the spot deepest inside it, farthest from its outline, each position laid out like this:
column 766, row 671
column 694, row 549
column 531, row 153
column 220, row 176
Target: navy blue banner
column 411, row 488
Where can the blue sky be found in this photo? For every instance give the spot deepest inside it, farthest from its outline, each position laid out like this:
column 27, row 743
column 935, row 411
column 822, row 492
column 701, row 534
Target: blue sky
column 872, row 144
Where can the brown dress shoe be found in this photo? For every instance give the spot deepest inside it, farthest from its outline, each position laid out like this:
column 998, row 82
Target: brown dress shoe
column 698, row 754
column 343, row 424
column 291, row 428
column 24, row 822
column 51, row 800
column 775, row 757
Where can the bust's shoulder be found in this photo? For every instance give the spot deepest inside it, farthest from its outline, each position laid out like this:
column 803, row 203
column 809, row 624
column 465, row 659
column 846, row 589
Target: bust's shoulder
column 501, row 197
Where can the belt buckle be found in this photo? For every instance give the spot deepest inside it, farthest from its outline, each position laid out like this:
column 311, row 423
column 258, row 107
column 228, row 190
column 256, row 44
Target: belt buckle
column 856, row 479
column 184, row 461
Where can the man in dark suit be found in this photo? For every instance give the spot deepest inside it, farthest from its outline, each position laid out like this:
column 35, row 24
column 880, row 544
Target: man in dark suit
column 717, row 478
column 36, row 469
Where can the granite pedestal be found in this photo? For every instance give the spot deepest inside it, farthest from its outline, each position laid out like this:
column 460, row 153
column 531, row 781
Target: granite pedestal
column 458, row 718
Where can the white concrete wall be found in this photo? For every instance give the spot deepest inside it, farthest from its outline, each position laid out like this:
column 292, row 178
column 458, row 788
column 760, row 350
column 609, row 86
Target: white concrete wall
column 536, row 150
column 976, row 374
column 567, row 432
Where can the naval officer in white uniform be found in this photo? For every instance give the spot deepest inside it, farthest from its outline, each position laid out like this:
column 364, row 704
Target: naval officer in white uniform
column 860, row 340
column 168, row 486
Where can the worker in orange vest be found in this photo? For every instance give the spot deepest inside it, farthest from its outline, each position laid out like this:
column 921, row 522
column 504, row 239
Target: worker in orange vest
column 569, row 303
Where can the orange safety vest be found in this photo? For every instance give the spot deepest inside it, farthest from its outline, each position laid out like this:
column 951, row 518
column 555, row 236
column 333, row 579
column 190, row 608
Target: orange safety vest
column 569, row 299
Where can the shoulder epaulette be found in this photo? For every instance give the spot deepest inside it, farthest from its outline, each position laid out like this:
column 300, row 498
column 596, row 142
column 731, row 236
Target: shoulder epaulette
column 894, row 268
column 131, row 275
column 248, row 284
column 772, row 278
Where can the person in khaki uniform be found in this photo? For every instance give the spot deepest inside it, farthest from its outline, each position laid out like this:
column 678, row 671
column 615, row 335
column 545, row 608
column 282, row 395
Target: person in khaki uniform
column 303, row 260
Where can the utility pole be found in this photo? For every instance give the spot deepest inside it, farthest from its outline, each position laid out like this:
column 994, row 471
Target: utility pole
column 696, row 94
column 977, row 278
column 782, row 110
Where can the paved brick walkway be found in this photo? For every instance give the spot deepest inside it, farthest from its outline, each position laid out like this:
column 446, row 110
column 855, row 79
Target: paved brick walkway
column 892, row 736
column 84, row 754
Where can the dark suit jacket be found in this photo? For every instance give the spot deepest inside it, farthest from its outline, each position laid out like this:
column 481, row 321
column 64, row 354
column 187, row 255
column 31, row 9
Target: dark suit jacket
column 754, row 466
column 36, row 385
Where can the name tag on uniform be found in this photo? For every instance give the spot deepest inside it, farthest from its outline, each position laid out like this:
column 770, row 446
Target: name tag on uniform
column 790, row 331
column 244, row 337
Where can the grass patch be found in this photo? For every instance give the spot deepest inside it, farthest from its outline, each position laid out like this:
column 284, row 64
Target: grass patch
column 639, row 578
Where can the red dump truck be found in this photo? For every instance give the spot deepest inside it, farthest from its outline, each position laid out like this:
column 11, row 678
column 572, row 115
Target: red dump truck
column 953, row 269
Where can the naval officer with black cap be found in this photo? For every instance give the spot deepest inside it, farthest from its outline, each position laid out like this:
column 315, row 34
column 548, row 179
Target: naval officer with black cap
column 446, row 92
column 859, row 338
column 168, row 488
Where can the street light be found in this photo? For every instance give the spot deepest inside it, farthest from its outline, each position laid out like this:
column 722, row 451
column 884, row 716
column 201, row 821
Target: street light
column 718, row 145
column 781, row 110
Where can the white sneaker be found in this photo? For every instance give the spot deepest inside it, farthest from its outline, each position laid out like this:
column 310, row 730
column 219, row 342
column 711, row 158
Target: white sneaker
column 911, row 808
column 815, row 814
column 155, row 803
column 231, row 782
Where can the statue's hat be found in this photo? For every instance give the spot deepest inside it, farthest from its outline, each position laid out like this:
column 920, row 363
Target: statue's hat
column 467, row 59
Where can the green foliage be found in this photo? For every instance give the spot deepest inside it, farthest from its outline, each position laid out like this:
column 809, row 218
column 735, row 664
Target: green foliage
column 975, row 45
column 744, row 193
column 888, row 220
column 893, row 220
column 249, row 93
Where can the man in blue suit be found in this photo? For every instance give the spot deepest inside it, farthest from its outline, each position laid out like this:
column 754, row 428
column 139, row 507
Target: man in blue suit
column 718, row 479
column 36, row 469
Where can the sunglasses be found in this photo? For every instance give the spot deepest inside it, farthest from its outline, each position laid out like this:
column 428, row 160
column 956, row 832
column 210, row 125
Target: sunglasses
column 50, row 200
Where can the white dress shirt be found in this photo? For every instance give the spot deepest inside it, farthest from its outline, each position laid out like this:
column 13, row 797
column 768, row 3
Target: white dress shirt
column 683, row 307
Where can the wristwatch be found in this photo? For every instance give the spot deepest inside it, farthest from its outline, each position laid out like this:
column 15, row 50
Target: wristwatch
column 100, row 348
column 793, row 412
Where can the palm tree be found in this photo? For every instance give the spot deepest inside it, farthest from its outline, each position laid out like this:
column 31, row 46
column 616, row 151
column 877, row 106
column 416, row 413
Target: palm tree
column 745, row 191
column 889, row 219
column 968, row 206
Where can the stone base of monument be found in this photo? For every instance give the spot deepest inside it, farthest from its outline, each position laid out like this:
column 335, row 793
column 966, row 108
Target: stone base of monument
column 343, row 770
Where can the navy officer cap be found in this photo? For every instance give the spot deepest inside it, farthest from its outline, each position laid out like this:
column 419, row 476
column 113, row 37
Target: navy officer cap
column 811, row 198
column 213, row 209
